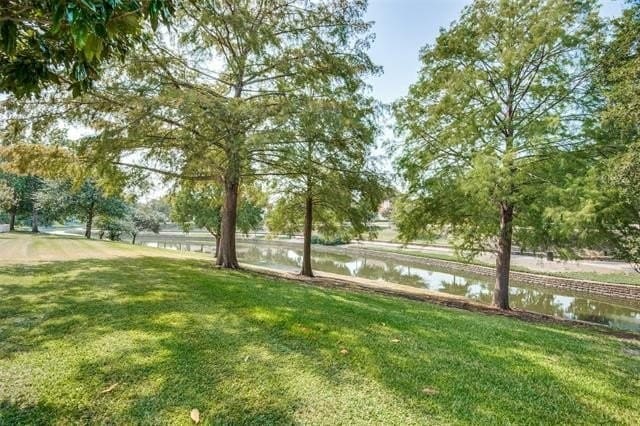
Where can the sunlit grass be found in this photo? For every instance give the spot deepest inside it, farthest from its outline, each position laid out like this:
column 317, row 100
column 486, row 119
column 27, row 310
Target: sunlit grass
column 130, row 340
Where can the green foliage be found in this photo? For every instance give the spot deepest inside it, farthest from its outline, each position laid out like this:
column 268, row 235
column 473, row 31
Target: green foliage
column 493, row 121
column 200, row 205
column 64, row 200
column 6, row 196
column 20, row 192
column 334, row 240
column 114, row 228
column 144, row 218
column 324, row 158
column 616, row 204
column 44, row 42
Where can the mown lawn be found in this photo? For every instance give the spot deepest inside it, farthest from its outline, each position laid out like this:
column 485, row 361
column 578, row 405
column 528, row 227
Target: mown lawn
column 130, row 337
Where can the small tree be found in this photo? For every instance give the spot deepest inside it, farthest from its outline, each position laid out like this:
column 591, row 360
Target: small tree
column 325, row 177
column 144, row 219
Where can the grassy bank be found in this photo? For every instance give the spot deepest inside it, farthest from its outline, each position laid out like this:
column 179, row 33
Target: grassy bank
column 97, row 332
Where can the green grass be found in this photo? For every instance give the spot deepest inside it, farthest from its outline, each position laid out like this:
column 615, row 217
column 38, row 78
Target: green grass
column 632, row 278
column 176, row 334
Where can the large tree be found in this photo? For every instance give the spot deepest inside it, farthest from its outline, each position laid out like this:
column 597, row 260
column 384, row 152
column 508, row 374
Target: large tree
column 613, row 180
column 201, row 104
column 65, row 42
column 500, row 96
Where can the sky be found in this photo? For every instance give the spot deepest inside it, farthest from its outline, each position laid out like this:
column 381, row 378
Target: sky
column 402, row 27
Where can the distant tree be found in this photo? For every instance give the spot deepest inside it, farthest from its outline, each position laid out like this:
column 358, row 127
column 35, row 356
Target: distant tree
column 161, row 206
column 501, row 95
column 21, row 201
column 113, row 227
column 200, row 205
column 54, row 42
column 63, row 200
column 144, row 219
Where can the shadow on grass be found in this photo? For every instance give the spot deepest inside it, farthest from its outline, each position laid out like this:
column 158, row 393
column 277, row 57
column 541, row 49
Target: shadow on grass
column 171, row 335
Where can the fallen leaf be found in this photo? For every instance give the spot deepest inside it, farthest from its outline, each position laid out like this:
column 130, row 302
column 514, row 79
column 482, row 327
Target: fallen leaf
column 344, row 351
column 429, row 391
column 195, row 415
column 395, row 340
column 246, row 358
column 110, row 388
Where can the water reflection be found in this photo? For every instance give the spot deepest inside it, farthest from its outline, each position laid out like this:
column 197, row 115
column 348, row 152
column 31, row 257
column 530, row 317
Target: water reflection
column 566, row 304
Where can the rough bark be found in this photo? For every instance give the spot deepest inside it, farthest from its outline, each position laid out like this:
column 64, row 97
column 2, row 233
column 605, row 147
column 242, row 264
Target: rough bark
column 308, row 227
column 227, row 257
column 503, row 257
column 89, row 226
column 227, row 248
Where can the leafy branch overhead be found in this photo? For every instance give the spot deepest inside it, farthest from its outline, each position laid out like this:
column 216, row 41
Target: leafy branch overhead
column 46, row 42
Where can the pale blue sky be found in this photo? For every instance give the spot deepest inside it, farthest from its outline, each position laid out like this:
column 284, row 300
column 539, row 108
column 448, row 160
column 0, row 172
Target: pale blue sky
column 402, row 27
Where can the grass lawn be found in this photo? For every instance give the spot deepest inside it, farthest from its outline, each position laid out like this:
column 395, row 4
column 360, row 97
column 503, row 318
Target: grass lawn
column 104, row 333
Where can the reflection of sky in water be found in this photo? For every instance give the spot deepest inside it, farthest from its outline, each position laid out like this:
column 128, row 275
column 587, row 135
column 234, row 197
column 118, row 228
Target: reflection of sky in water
column 474, row 291
column 433, row 280
column 353, row 266
column 564, row 303
column 293, row 256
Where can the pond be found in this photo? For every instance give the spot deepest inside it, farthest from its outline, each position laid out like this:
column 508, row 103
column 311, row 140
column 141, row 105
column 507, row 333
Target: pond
column 619, row 314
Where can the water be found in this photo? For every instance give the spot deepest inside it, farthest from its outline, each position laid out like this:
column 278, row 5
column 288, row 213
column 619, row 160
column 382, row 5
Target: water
column 619, row 314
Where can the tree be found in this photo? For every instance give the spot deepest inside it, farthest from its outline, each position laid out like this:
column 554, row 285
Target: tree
column 324, row 170
column 203, row 104
column 501, row 93
column 618, row 171
column 22, row 190
column 44, row 42
column 64, row 199
column 201, row 205
column 144, row 219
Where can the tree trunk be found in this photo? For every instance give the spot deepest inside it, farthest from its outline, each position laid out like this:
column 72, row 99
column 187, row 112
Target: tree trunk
column 308, row 227
column 227, row 251
column 34, row 220
column 503, row 258
column 12, row 219
column 87, row 232
column 227, row 247
column 217, row 237
column 133, row 238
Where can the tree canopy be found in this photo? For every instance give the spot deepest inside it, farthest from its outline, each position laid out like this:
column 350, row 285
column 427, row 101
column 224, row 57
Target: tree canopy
column 500, row 97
